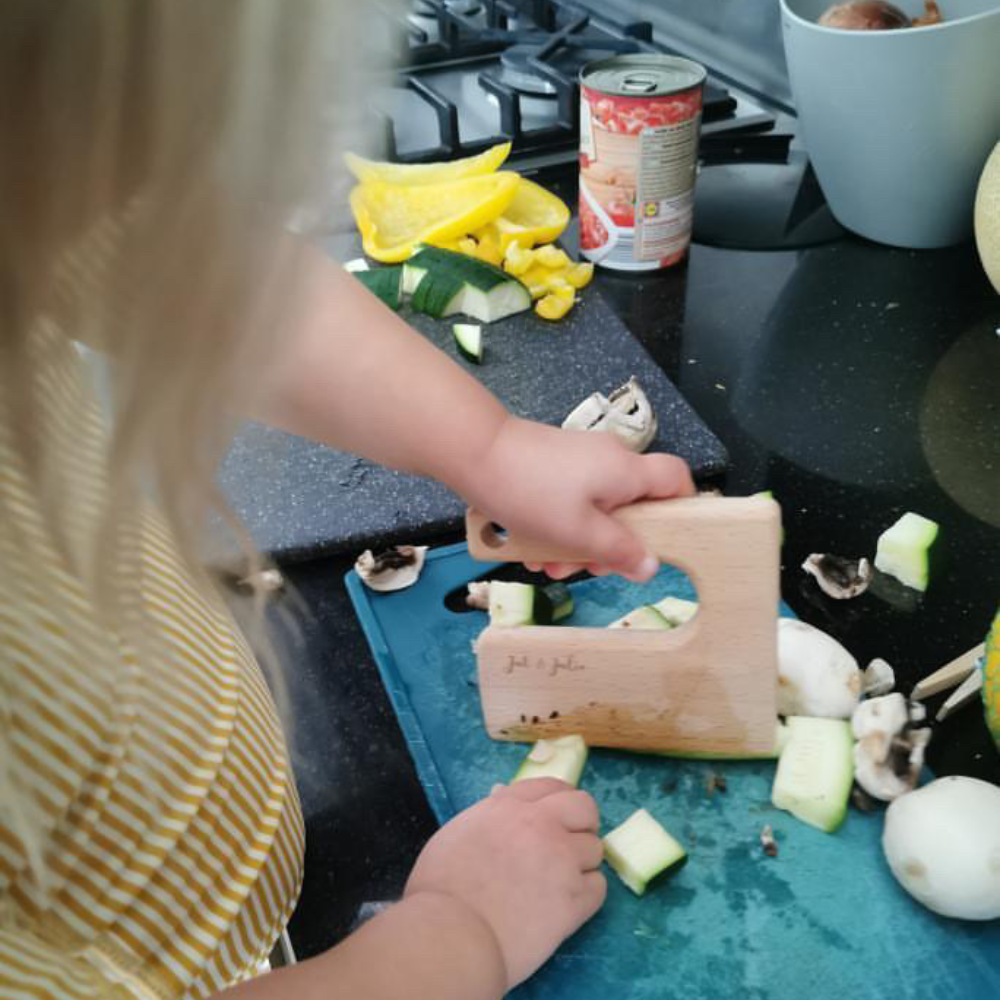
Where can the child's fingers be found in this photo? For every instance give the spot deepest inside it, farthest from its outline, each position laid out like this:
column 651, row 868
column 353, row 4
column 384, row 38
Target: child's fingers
column 666, row 476
column 611, row 544
column 594, row 889
column 576, row 810
column 588, row 849
column 531, row 789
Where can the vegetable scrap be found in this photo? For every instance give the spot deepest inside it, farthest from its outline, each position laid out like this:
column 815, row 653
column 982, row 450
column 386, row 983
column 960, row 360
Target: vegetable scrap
column 394, row 569
column 626, row 413
column 889, row 753
column 838, row 577
column 767, row 841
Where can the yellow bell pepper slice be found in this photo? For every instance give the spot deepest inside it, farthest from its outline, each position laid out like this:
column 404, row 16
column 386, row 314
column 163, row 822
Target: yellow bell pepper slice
column 517, row 260
column 554, row 306
column 534, row 216
column 536, row 279
column 579, row 275
column 488, row 250
column 428, row 173
column 552, row 256
column 394, row 218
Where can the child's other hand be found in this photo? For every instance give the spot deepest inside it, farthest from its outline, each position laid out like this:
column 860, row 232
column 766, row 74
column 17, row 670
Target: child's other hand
column 525, row 861
column 560, row 486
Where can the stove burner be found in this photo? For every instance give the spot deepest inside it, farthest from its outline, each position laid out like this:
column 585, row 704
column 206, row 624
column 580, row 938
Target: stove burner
column 464, row 8
column 516, row 71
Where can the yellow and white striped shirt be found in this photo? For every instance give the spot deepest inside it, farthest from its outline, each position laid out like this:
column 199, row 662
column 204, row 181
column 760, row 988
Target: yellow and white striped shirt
column 171, row 833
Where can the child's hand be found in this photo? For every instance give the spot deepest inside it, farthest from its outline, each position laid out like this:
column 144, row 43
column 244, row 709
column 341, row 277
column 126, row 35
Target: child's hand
column 525, row 861
column 560, row 486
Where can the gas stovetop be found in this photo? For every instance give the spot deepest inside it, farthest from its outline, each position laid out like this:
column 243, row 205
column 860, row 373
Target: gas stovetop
column 472, row 73
column 476, row 72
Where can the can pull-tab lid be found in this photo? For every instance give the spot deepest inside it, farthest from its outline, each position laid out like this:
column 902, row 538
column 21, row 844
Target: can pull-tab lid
column 640, row 83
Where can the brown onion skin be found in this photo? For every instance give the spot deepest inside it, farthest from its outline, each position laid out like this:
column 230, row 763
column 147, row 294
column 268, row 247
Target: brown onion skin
column 864, row 15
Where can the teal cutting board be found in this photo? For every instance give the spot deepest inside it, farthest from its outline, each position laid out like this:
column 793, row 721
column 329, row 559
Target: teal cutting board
column 824, row 919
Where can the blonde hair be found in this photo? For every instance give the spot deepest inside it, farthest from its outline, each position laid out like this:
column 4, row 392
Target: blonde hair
column 152, row 153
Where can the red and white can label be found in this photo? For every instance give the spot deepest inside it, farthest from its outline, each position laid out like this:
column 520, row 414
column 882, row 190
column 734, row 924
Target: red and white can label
column 638, row 158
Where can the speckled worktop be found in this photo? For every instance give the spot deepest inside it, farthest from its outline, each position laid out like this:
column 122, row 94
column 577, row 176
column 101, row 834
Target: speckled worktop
column 301, row 499
column 853, row 380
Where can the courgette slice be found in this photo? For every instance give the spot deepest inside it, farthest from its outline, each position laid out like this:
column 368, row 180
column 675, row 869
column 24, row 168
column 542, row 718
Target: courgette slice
column 513, row 604
column 385, row 282
column 562, row 757
column 469, row 340
column 903, row 551
column 553, row 603
column 640, row 849
column 443, row 283
column 676, row 610
column 643, row 617
column 815, row 771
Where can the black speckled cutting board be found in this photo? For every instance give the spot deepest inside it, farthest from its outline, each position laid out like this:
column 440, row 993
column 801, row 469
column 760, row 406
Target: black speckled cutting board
column 301, row 499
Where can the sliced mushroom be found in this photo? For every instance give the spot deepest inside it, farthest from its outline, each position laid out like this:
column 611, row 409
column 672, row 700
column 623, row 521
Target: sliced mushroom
column 839, row 577
column 394, row 569
column 626, row 413
column 478, row 595
column 878, row 678
column 889, row 754
column 816, row 675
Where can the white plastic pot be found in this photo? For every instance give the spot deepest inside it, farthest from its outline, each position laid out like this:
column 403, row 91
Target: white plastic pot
column 898, row 124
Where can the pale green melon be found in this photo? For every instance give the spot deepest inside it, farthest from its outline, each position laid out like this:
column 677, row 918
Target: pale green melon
column 986, row 217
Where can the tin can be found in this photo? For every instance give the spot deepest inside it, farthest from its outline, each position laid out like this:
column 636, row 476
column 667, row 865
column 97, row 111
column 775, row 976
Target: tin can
column 639, row 121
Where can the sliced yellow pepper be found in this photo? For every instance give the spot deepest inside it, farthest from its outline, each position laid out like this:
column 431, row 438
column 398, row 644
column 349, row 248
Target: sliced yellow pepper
column 489, row 251
column 536, row 279
column 533, row 216
column 554, row 306
column 552, row 256
column 468, row 245
column 394, row 218
column 517, row 260
column 428, row 173
column 580, row 275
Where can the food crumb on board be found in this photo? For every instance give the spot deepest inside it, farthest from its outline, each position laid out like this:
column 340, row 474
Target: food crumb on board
column 768, row 842
column 714, row 783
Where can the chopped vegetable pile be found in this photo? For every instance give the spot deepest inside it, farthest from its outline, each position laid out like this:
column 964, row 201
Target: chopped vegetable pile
column 472, row 208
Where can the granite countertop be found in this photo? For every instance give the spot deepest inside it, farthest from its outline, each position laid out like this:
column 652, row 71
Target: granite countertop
column 855, row 381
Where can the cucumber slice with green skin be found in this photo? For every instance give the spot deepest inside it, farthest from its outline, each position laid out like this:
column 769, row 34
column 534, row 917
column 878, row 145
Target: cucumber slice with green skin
column 815, row 771
column 469, row 340
column 513, row 604
column 676, row 610
column 357, row 264
column 644, row 617
column 903, row 551
column 385, row 282
column 561, row 758
column 555, row 601
column 443, row 283
column 640, row 849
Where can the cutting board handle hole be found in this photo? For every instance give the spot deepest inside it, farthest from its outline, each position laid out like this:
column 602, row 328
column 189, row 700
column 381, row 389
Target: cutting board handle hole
column 493, row 536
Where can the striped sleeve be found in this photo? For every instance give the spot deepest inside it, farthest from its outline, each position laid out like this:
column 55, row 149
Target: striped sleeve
column 30, row 969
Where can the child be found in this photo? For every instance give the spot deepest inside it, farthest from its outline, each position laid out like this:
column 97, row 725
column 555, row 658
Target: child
column 150, row 836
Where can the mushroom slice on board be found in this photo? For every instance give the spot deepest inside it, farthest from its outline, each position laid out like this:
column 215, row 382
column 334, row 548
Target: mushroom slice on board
column 626, row 413
column 889, row 754
column 839, row 577
column 394, row 569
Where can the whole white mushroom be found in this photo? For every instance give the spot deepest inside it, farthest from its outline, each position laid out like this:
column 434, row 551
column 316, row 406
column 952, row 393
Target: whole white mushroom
column 816, row 675
column 942, row 843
